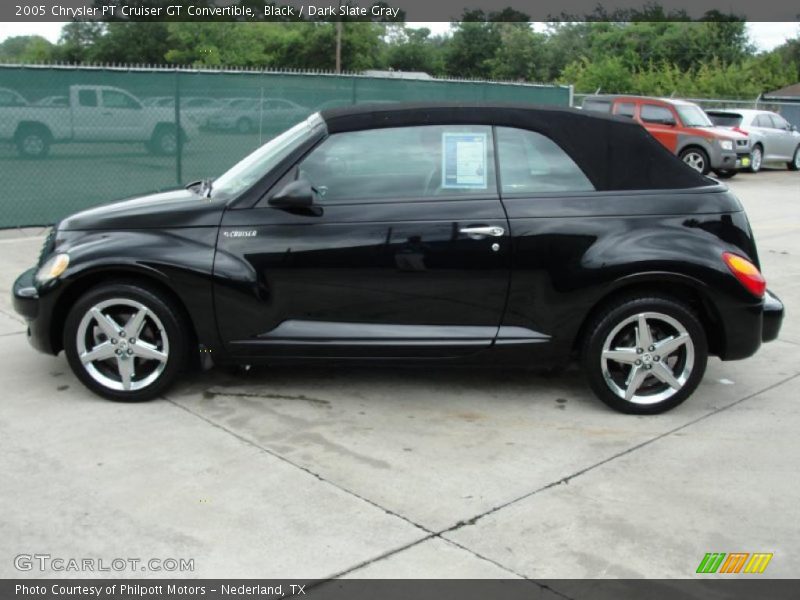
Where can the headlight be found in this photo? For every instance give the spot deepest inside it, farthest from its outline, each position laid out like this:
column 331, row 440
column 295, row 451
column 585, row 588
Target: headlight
column 51, row 269
column 726, row 144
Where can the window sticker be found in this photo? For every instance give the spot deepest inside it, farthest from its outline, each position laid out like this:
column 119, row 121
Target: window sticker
column 464, row 157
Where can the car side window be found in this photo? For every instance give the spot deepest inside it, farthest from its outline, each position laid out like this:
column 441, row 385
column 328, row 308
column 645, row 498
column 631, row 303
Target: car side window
column 422, row 162
column 114, row 99
column 87, row 98
column 531, row 163
column 652, row 113
column 778, row 122
column 597, row 105
column 763, row 121
column 9, row 98
column 625, row 109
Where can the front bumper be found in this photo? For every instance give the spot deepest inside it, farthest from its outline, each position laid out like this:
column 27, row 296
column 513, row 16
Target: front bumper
column 743, row 161
column 28, row 303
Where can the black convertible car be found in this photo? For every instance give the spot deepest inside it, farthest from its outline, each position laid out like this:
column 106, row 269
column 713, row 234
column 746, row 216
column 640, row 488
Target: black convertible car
column 481, row 234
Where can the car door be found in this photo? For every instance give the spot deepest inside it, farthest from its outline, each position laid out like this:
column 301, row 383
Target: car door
column 404, row 253
column 546, row 196
column 661, row 122
column 782, row 134
column 124, row 115
column 762, row 124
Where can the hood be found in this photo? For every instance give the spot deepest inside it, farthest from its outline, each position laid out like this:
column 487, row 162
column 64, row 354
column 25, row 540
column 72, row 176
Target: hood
column 167, row 210
column 715, row 132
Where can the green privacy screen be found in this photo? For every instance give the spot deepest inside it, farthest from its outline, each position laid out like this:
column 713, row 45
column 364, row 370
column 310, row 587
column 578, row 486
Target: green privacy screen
column 72, row 138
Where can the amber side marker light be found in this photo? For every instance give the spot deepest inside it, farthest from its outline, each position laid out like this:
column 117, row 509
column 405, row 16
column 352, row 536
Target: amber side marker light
column 746, row 272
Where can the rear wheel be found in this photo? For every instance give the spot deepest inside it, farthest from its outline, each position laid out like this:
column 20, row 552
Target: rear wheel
column 33, row 141
column 645, row 355
column 756, row 158
column 794, row 164
column 124, row 342
column 696, row 158
column 164, row 141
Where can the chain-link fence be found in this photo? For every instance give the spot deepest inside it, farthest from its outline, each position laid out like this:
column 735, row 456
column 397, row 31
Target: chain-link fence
column 789, row 110
column 71, row 138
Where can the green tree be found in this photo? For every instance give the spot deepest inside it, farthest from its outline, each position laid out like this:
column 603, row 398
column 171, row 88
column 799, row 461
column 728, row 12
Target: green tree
column 521, row 55
column 26, row 49
column 411, row 49
column 77, row 41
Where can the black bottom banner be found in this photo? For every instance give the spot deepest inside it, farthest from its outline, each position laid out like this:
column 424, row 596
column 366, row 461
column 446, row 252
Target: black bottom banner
column 456, row 589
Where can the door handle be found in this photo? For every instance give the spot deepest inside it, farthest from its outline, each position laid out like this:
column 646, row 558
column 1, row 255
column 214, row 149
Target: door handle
column 494, row 231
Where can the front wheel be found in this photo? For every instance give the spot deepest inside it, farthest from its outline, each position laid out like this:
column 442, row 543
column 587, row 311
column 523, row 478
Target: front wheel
column 725, row 173
column 124, row 342
column 794, row 164
column 697, row 159
column 645, row 355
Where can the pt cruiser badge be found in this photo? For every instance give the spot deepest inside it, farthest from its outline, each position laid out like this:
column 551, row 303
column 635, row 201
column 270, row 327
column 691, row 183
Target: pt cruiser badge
column 437, row 233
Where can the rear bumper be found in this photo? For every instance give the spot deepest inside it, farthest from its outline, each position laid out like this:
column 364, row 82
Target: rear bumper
column 772, row 317
column 746, row 327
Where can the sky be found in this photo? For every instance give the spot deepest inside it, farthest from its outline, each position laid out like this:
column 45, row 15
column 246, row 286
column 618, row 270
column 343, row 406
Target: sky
column 766, row 36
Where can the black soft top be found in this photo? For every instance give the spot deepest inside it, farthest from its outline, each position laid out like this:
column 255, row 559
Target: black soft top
column 614, row 152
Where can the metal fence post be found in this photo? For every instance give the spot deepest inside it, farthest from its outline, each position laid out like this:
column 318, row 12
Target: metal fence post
column 178, row 132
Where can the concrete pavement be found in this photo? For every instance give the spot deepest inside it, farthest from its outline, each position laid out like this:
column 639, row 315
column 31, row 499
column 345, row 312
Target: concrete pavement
column 317, row 472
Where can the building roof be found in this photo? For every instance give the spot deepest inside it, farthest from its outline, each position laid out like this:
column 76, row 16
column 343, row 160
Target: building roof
column 397, row 74
column 790, row 91
column 615, row 153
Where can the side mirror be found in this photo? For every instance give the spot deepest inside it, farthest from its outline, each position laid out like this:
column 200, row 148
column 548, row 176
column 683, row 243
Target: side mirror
column 295, row 194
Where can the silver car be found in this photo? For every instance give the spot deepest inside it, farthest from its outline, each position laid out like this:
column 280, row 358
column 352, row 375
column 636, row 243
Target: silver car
column 772, row 138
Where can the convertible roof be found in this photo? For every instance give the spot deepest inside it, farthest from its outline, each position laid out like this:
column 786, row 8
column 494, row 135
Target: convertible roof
column 615, row 153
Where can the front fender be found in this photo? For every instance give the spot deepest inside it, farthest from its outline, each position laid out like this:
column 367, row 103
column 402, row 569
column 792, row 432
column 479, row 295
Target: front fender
column 179, row 261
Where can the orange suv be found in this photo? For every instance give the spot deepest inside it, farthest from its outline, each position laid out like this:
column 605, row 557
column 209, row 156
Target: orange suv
column 684, row 129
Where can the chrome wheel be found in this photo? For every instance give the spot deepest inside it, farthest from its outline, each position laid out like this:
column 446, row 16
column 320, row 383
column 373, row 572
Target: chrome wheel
column 647, row 358
column 756, row 158
column 122, row 344
column 695, row 160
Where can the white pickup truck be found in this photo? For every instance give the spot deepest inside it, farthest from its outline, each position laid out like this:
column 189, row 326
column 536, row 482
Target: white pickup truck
column 94, row 113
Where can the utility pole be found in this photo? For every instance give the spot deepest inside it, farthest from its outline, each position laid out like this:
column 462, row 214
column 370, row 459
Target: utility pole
column 339, row 46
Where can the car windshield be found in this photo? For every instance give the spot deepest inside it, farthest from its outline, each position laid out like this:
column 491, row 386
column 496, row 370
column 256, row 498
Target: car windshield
column 726, row 119
column 693, row 116
column 254, row 166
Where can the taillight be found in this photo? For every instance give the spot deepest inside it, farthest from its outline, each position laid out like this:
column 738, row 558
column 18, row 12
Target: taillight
column 742, row 131
column 746, row 272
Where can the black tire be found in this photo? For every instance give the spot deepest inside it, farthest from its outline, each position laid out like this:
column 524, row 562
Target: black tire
column 170, row 320
column 33, row 141
column 756, row 162
column 725, row 173
column 696, row 158
column 603, row 326
column 244, row 125
column 794, row 164
column 164, row 141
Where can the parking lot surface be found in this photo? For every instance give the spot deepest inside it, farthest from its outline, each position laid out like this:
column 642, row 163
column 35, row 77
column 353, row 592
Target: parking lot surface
column 315, row 472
